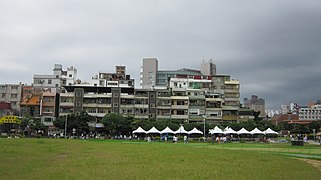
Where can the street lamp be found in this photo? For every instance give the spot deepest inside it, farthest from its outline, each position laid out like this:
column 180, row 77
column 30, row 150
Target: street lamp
column 204, row 119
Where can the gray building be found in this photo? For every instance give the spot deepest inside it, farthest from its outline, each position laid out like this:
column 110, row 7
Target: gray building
column 256, row 104
column 11, row 93
column 148, row 73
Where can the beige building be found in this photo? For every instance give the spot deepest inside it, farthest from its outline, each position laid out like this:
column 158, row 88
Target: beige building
column 256, row 104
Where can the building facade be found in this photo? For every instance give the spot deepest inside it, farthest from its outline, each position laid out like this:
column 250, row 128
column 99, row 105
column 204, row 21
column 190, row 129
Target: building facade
column 11, row 93
column 57, row 80
column 257, row 104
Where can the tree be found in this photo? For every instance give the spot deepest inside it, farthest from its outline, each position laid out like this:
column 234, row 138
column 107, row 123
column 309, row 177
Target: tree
column 79, row 122
column 116, row 124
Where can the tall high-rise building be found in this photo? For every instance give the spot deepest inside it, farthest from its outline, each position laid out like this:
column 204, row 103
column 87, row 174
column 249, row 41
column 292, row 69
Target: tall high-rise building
column 148, row 74
column 208, row 68
column 255, row 103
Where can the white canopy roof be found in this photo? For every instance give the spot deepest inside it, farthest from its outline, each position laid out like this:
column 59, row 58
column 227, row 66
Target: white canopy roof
column 216, row 130
column 225, row 129
column 270, row 131
column 181, row 130
column 243, row 131
column 230, row 131
column 139, row 130
column 195, row 131
column 256, row 131
column 153, row 130
column 167, row 130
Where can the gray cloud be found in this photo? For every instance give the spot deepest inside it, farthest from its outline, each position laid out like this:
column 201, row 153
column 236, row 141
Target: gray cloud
column 272, row 47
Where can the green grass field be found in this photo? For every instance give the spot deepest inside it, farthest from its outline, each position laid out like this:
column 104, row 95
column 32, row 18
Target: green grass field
column 105, row 159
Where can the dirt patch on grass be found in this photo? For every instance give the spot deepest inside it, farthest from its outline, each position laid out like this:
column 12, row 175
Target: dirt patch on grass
column 314, row 163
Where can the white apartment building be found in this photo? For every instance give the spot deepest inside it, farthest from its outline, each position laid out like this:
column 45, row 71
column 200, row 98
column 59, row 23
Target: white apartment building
column 312, row 113
column 58, row 79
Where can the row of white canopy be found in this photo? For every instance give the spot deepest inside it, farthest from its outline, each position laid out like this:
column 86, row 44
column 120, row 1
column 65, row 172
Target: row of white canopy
column 216, row 130
column 229, row 130
column 167, row 130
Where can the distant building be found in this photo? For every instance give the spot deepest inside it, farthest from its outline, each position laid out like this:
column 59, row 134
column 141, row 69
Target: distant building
column 57, row 80
column 310, row 113
column 285, row 109
column 11, row 93
column 257, row 104
column 117, row 79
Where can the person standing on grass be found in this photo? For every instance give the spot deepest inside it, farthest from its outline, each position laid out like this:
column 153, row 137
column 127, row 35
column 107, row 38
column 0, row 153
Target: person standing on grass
column 185, row 139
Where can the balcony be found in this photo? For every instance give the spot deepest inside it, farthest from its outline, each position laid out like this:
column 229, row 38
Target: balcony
column 179, row 106
column 229, row 117
column 144, row 106
column 163, row 116
column 107, row 95
column 67, row 95
column 69, row 104
column 179, row 116
column 179, row 97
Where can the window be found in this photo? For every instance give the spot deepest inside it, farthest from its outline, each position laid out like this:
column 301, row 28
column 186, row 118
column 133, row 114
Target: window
column 115, row 104
column 70, row 75
column 14, row 96
column 14, row 87
column 49, row 81
column 3, row 95
column 175, row 84
column 78, row 104
column 78, row 94
column 92, row 110
column 116, row 95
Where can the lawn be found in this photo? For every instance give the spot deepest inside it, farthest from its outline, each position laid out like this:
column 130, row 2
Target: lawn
column 105, row 159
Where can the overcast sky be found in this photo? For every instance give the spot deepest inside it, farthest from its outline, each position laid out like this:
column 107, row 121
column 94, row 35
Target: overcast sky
column 273, row 47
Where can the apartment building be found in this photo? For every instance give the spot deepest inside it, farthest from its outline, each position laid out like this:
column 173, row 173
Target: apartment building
column 119, row 78
column 310, row 113
column 257, row 104
column 39, row 103
column 57, row 80
column 11, row 93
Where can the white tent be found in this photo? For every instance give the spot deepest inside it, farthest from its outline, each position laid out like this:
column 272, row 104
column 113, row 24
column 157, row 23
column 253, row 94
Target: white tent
column 226, row 128
column 181, row 130
column 139, row 130
column 243, row 131
column 216, row 130
column 256, row 131
column 195, row 131
column 167, row 130
column 270, row 131
column 153, row 130
column 230, row 131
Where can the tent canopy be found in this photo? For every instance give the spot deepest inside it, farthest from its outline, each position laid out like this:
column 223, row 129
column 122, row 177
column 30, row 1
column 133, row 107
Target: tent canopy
column 243, row 131
column 195, row 131
column 270, row 131
column 256, row 131
column 230, row 131
column 216, row 130
column 153, row 130
column 139, row 130
column 167, row 130
column 181, row 130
